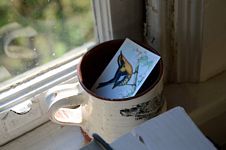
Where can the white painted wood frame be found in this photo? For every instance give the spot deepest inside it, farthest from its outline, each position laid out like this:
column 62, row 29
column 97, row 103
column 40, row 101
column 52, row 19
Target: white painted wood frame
column 111, row 21
column 190, row 36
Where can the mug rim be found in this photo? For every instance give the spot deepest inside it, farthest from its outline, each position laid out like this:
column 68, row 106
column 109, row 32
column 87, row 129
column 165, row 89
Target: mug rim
column 79, row 74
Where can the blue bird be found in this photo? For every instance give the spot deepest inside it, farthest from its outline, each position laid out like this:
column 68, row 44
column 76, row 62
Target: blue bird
column 122, row 75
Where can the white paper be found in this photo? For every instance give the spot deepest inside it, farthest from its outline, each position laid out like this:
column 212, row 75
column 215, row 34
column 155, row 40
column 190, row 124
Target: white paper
column 126, row 72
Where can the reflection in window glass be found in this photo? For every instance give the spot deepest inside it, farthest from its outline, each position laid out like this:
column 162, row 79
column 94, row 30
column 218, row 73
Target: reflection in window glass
column 34, row 32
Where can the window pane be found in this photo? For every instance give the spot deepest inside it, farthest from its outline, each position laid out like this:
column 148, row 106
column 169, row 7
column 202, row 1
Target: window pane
column 34, row 32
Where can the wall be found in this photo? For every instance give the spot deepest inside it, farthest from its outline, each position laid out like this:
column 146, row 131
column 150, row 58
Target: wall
column 127, row 18
column 214, row 39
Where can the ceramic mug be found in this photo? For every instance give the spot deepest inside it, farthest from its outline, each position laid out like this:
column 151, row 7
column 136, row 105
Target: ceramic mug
column 76, row 104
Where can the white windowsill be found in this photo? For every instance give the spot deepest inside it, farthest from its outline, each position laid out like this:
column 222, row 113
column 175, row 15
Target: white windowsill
column 205, row 102
column 48, row 136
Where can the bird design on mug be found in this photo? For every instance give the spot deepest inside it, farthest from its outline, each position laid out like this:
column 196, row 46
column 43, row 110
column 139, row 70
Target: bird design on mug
column 122, row 75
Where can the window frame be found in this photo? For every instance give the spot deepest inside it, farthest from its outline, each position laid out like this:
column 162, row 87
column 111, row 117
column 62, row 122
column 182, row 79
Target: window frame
column 40, row 79
column 32, row 85
column 106, row 24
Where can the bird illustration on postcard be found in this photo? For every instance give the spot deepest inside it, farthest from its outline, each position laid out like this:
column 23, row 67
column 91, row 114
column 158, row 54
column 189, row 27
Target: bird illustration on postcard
column 126, row 72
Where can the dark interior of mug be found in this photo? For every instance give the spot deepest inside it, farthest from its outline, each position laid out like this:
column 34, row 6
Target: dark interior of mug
column 96, row 60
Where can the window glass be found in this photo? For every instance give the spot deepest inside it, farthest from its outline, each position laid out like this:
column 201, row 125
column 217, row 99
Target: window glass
column 34, row 32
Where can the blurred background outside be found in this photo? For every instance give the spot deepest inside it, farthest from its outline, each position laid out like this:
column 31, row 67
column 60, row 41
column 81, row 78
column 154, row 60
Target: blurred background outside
column 34, row 32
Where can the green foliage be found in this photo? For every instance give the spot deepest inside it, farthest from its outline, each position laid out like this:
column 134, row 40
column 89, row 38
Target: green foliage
column 61, row 25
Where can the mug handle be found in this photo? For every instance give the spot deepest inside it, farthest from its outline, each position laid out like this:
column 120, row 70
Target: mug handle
column 65, row 104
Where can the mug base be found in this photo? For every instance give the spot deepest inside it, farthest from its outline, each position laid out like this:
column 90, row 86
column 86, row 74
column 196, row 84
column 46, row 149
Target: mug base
column 87, row 138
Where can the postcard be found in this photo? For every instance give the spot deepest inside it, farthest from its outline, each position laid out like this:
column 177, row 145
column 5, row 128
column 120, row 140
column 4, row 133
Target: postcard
column 126, row 72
